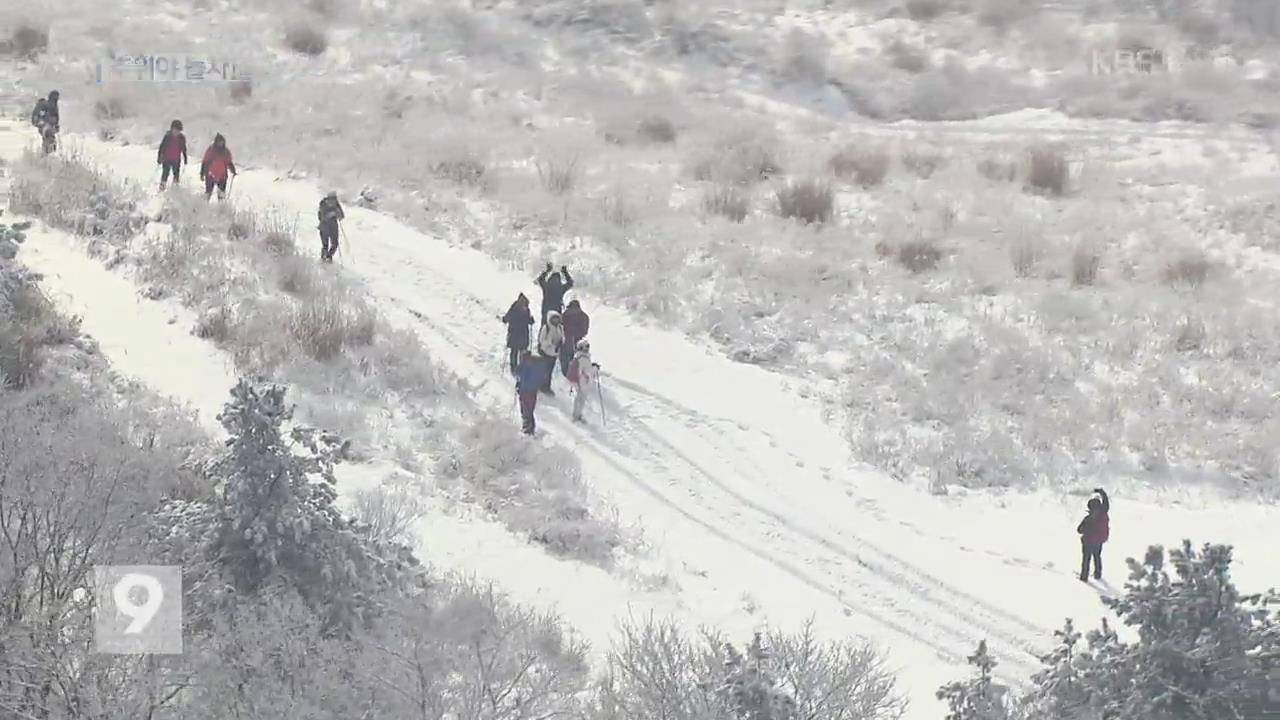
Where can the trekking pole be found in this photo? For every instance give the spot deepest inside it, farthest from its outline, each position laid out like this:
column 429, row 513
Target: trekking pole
column 600, row 389
column 344, row 237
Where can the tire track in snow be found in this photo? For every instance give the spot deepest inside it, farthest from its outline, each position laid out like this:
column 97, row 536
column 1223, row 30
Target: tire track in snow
column 890, row 585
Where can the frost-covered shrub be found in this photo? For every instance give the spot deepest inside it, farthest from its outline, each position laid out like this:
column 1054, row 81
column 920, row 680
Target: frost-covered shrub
column 919, row 255
column 922, row 162
column 1085, row 263
column 558, row 173
column 324, row 325
column 1047, row 170
column 727, row 201
column 306, row 36
column 71, row 195
column 865, row 164
column 809, row 201
column 27, row 41
column 1191, row 270
column 29, row 323
column 656, row 128
column 655, row 670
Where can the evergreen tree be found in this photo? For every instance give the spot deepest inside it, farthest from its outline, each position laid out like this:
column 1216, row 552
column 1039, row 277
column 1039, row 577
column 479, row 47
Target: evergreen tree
column 1202, row 653
column 278, row 517
column 750, row 688
column 977, row 698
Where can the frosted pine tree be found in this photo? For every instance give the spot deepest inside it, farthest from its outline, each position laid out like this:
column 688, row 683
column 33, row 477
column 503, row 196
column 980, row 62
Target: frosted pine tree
column 1060, row 692
column 977, row 698
column 749, row 687
column 279, row 518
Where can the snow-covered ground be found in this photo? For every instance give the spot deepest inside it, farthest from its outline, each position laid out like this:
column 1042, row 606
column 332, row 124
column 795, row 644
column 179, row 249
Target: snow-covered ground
column 755, row 510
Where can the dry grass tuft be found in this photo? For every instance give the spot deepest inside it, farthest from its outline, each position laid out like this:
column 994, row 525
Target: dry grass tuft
column 810, row 201
column 867, row 166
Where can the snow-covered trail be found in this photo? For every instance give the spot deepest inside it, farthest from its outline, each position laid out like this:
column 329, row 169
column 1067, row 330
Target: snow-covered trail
column 740, row 480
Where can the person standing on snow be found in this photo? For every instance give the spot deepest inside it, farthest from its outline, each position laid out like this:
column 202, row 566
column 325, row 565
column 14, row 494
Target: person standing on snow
column 550, row 339
column 519, row 321
column 47, row 120
column 582, row 372
column 553, row 289
column 172, row 154
column 214, row 167
column 330, row 214
column 576, row 324
column 529, row 375
column 1094, row 530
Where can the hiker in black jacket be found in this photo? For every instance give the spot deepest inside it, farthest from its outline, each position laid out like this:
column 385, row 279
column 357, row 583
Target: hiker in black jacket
column 519, row 322
column 329, row 214
column 553, row 289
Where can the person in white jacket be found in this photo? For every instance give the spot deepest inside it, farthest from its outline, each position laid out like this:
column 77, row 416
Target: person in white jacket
column 550, row 338
column 582, row 373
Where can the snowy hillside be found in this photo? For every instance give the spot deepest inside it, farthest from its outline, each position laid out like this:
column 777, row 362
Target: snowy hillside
column 858, row 373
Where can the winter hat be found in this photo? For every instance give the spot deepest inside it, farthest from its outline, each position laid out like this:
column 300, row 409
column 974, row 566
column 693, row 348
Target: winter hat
column 332, row 194
column 175, row 125
column 522, row 299
column 584, row 346
column 1095, row 504
column 574, row 304
column 218, row 137
column 553, row 316
column 53, row 96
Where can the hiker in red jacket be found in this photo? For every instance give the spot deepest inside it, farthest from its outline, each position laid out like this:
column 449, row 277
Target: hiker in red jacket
column 172, row 154
column 576, row 324
column 215, row 166
column 1094, row 529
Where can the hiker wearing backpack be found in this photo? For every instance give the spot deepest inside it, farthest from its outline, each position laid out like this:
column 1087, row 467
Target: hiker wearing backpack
column 172, row 154
column 529, row 376
column 576, row 323
column 214, row 167
column 550, row 340
column 1094, row 530
column 519, row 321
column 582, row 373
column 330, row 215
column 47, row 120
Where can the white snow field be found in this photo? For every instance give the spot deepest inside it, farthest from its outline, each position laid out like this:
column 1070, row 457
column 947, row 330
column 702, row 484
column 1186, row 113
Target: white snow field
column 749, row 496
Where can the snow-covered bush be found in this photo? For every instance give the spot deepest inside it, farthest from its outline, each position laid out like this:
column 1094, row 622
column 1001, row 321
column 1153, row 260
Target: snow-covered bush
column 325, row 325
column 1201, row 648
column 306, row 36
column 809, row 201
column 1048, row 170
column 865, row 163
column 728, row 201
column 26, row 41
column 655, row 670
column 28, row 325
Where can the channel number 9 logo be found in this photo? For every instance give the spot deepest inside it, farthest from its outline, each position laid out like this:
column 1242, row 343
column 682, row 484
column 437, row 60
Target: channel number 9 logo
column 139, row 609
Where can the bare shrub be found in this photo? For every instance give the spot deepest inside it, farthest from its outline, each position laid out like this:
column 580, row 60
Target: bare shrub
column 298, row 276
column 905, row 57
column 1190, row 270
column 925, row 10
column 306, row 37
column 326, row 324
column 656, row 128
column 867, row 165
column 1047, row 170
column 728, row 201
column 1025, row 256
column 655, row 671
column 28, row 41
column 215, row 324
column 465, row 168
column 28, row 324
column 1189, row 334
column 805, row 56
column 921, row 162
column 1086, row 261
column 810, row 201
column 388, row 515
column 558, row 174
column 919, row 255
column 111, row 107
column 740, row 162
column 998, row 169
column 240, row 91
